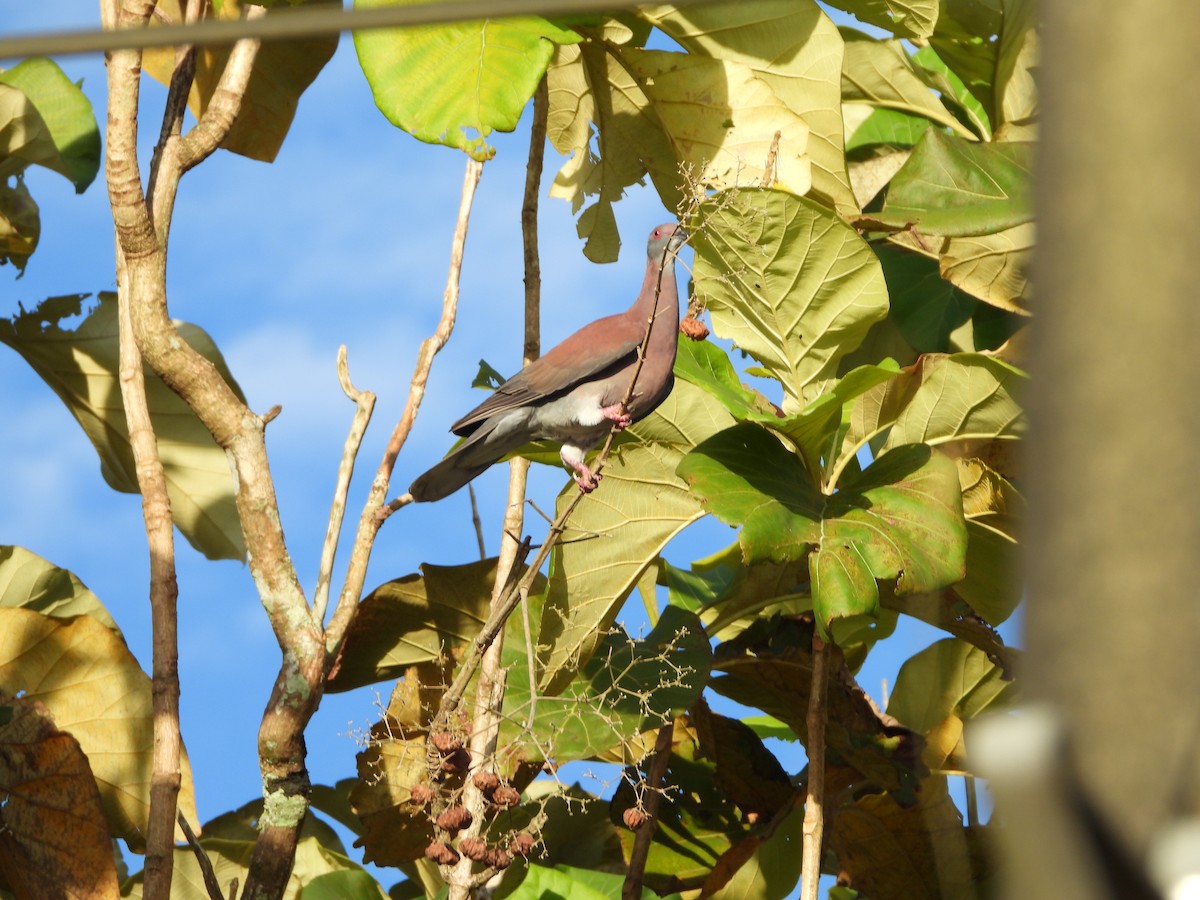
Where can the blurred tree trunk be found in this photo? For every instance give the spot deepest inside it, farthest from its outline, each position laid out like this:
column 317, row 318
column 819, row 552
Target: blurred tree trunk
column 1113, row 619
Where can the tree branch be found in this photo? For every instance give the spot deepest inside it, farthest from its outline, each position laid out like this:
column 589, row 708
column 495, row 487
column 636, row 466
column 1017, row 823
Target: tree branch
column 364, row 402
column 165, row 774
column 631, row 889
column 375, row 511
column 814, row 805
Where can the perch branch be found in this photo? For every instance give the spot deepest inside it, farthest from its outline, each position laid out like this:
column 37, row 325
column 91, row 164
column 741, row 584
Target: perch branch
column 814, row 805
column 364, row 402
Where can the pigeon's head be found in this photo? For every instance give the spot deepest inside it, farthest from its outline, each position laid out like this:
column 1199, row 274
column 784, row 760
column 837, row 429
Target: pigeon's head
column 666, row 237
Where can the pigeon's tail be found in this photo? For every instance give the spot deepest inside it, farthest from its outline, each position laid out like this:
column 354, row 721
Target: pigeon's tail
column 472, row 457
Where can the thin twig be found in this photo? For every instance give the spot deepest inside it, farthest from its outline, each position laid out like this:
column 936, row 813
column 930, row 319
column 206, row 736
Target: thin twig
column 655, row 775
column 364, row 402
column 206, row 867
column 477, row 522
column 814, row 805
column 375, row 510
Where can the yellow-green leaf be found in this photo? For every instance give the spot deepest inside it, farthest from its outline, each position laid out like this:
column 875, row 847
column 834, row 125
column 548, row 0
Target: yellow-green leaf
column 283, row 70
column 20, row 224
column 54, row 126
column 29, row 582
column 81, row 367
column 454, row 84
column 94, row 688
column 797, row 51
column 789, row 282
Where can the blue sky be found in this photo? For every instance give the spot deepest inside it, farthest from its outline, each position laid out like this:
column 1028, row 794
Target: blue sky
column 344, row 239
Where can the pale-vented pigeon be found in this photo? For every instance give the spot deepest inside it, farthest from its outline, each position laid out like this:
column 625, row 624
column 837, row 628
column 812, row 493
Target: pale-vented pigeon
column 573, row 394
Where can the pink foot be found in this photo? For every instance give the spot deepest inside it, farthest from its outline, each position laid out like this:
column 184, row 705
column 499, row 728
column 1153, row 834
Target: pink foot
column 617, row 415
column 587, row 480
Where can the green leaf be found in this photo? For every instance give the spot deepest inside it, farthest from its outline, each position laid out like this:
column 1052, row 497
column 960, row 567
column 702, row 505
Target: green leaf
column 901, row 519
column 880, row 74
column 59, row 123
column 627, row 688
column 769, row 727
column 925, row 307
column 487, row 377
column 795, row 50
column 954, row 187
column 886, row 127
column 966, row 38
column 789, row 282
column 454, row 84
column 81, row 367
column 764, row 868
column 20, row 223
column 935, row 73
column 29, row 582
column 729, row 597
column 415, row 619
column 903, row 18
column 622, row 527
column 283, row 70
column 544, row 883
column 345, row 884
column 941, row 398
column 94, row 689
column 949, row 677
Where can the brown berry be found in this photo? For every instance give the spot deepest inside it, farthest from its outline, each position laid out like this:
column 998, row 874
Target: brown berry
column 505, row 797
column 522, row 844
column 422, row 794
column 445, row 742
column 634, row 818
column 486, row 782
column 498, row 859
column 454, row 819
column 693, row 328
column 441, row 853
column 473, row 848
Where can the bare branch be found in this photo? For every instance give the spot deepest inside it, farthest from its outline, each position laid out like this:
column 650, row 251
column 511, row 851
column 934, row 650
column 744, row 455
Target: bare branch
column 655, row 775
column 477, row 522
column 364, row 402
column 814, row 805
column 375, row 511
column 165, row 775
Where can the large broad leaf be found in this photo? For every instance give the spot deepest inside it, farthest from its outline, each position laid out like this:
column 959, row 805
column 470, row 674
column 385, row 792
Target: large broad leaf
column 903, row 18
column 935, row 73
column 789, row 282
column 722, row 119
column 81, row 367
column 593, row 95
column 925, row 307
column 949, row 677
column 283, row 70
column 992, row 267
column 416, row 619
column 29, row 582
column 868, row 126
column 900, row 519
column 543, row 882
column 627, row 688
column 617, row 531
column 938, row 399
column 94, row 688
column 966, row 38
column 955, row 187
column 45, row 119
column 881, row 74
column 797, row 51
column 1015, row 88
column 769, row 667
column 761, row 867
column 54, row 841
column 994, row 511
column 454, row 84
column 923, row 852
